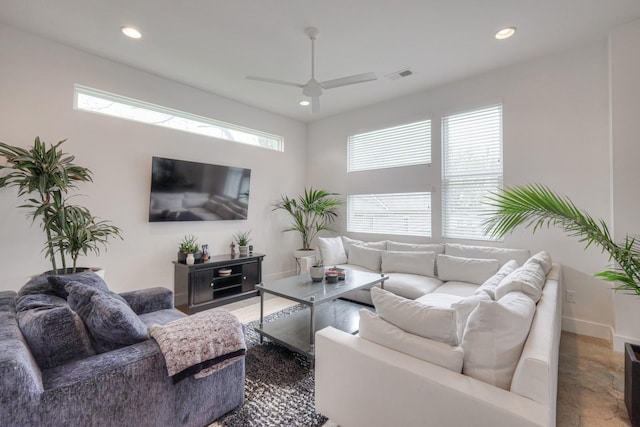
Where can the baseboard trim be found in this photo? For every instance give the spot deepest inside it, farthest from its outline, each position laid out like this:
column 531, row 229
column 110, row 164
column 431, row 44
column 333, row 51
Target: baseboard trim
column 584, row 327
column 619, row 340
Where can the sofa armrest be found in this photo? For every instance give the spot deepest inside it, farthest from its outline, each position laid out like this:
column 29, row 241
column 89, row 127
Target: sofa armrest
column 359, row 382
column 148, row 300
column 20, row 376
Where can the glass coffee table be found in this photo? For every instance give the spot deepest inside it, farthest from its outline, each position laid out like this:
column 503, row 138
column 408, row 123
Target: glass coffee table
column 297, row 331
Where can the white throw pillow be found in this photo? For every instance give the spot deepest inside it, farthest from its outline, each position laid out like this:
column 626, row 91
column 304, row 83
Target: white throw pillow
column 347, row 242
column 528, row 279
column 365, row 257
column 436, row 323
column 421, row 263
column 415, row 247
column 544, row 259
column 490, row 285
column 332, row 251
column 375, row 329
column 494, row 337
column 503, row 255
column 470, row 270
column 464, row 308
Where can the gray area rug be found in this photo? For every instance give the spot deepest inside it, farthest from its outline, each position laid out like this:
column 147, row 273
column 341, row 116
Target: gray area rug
column 279, row 387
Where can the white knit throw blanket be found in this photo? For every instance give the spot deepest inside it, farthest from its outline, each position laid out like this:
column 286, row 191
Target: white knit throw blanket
column 205, row 342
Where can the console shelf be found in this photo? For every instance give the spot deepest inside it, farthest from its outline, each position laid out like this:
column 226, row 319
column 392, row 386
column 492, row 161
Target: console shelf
column 203, row 287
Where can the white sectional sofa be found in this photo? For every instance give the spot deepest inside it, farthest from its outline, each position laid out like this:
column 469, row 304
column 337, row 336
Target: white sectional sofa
column 391, row 374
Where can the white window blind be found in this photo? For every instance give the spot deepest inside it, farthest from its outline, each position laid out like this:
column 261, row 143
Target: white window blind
column 395, row 213
column 403, row 145
column 110, row 104
column 471, row 169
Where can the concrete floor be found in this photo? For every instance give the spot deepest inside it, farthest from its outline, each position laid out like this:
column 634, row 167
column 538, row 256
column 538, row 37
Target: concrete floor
column 590, row 377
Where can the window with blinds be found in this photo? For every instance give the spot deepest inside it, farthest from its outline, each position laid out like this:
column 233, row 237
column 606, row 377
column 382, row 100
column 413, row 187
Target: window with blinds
column 471, row 169
column 403, row 145
column 396, row 213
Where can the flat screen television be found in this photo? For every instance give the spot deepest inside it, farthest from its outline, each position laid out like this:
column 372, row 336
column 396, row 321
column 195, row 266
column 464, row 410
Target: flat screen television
column 191, row 191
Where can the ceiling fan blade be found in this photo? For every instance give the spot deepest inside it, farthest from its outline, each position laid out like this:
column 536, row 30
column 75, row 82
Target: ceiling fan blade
column 276, row 81
column 344, row 81
column 315, row 105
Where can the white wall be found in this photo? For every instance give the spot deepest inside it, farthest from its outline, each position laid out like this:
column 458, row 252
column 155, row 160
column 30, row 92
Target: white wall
column 36, row 98
column 555, row 113
column 625, row 153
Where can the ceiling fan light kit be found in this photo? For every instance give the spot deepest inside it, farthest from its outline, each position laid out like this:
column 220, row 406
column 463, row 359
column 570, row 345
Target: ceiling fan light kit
column 314, row 88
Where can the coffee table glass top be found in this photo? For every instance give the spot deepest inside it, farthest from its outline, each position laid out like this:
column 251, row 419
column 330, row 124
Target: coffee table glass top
column 303, row 290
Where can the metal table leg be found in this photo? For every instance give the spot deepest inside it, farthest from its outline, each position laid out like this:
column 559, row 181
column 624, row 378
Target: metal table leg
column 261, row 314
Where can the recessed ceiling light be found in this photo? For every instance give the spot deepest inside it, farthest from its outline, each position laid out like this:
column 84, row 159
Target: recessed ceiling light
column 304, row 103
column 505, row 33
column 131, row 32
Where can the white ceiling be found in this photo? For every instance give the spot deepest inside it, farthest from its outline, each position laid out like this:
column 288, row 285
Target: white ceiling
column 214, row 44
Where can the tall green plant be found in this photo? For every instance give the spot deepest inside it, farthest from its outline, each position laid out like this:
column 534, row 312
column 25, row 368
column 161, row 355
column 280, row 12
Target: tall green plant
column 535, row 206
column 44, row 174
column 312, row 212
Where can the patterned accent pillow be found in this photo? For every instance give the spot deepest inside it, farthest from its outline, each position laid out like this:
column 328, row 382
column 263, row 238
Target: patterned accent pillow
column 111, row 322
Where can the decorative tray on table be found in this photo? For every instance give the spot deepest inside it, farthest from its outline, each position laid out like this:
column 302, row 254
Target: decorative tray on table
column 334, row 271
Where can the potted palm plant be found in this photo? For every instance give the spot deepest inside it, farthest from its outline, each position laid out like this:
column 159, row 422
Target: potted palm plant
column 312, row 212
column 535, row 206
column 44, row 174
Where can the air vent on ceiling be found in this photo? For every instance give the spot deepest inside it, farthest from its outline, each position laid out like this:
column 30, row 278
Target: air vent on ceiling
column 400, row 74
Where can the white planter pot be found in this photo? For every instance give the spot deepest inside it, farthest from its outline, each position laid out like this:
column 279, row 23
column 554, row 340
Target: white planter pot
column 302, row 253
column 626, row 310
column 317, row 273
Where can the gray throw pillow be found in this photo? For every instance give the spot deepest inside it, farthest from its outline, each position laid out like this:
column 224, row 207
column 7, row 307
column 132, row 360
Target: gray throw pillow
column 37, row 285
column 111, row 322
column 54, row 332
column 58, row 283
column 39, row 301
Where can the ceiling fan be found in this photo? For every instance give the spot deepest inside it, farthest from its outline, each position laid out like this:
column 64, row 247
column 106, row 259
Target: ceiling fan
column 313, row 88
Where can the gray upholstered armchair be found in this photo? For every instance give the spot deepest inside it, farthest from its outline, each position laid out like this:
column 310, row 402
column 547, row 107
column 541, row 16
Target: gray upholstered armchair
column 65, row 381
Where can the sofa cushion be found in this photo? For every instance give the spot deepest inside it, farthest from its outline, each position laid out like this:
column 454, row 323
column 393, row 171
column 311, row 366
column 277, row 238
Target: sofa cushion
column 528, row 279
column 421, row 263
column 436, row 323
column 56, row 334
column 490, row 285
column 161, row 317
column 415, row 247
column 543, row 259
column 375, row 329
column 463, row 289
column 494, row 336
column 503, row 255
column 88, row 278
column 365, row 257
column 471, row 270
column 411, row 286
column 347, row 242
column 331, row 250
column 111, row 322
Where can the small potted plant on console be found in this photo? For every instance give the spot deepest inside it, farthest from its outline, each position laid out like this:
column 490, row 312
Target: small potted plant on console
column 243, row 239
column 189, row 250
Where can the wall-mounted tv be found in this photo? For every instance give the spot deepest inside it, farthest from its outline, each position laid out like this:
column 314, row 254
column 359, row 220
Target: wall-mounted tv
column 191, row 191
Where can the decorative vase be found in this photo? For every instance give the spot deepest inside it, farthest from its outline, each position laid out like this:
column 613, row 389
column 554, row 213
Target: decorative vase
column 317, row 273
column 190, row 259
column 244, row 250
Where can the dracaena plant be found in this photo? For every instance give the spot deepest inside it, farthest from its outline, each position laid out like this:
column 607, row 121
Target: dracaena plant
column 312, row 212
column 44, row 175
column 535, row 206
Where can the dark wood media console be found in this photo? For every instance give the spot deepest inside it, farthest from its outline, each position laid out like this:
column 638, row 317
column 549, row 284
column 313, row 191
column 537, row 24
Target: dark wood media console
column 206, row 288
